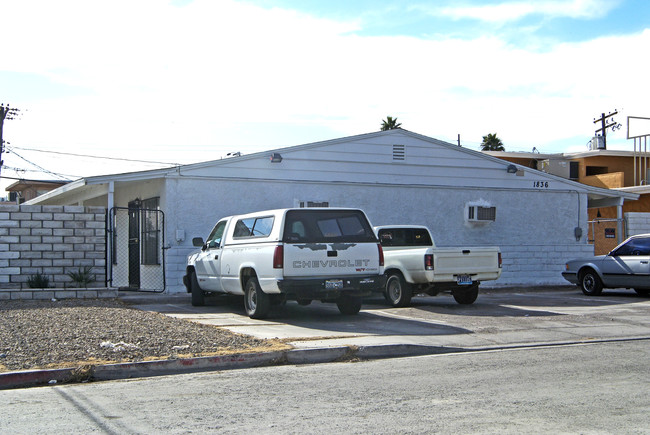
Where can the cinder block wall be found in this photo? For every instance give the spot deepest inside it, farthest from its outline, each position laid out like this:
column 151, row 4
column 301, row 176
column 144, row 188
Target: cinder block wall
column 52, row 240
column 637, row 223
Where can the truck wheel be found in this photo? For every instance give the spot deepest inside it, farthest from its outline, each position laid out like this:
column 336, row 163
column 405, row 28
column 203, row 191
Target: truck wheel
column 468, row 296
column 590, row 283
column 256, row 302
column 398, row 291
column 198, row 297
column 348, row 305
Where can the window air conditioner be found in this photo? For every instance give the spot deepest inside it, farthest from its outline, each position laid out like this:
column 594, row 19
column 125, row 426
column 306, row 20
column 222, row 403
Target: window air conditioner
column 477, row 213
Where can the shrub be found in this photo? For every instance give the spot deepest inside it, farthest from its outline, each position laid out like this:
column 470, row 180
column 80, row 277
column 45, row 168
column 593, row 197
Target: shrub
column 38, row 281
column 82, row 277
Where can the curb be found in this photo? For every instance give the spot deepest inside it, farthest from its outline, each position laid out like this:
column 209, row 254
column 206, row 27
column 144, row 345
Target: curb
column 33, row 378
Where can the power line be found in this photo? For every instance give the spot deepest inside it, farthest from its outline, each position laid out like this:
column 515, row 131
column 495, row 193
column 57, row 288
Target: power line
column 40, row 167
column 95, row 157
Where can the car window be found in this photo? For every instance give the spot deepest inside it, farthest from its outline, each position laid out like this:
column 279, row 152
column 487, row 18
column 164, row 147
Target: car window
column 214, row 239
column 320, row 226
column 635, row 246
column 253, row 227
column 404, row 237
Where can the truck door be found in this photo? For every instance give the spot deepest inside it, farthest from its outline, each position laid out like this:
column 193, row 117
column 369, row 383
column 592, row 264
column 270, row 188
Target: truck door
column 208, row 264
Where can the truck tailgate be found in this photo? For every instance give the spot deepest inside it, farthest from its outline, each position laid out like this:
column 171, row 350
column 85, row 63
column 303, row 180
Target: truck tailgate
column 330, row 259
column 453, row 261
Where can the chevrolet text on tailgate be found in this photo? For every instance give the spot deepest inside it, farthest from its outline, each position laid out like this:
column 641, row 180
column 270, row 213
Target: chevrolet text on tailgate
column 414, row 265
column 306, row 254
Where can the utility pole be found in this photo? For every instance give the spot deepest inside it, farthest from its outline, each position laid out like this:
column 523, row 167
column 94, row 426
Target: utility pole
column 5, row 113
column 605, row 124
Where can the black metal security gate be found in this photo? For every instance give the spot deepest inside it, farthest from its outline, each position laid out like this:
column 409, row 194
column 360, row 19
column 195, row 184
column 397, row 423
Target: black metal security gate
column 135, row 240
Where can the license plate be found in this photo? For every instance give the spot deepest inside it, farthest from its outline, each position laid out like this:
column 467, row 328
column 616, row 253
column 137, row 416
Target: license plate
column 334, row 284
column 463, row 280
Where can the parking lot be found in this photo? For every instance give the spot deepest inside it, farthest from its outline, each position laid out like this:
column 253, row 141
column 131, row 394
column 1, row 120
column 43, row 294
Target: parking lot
column 499, row 318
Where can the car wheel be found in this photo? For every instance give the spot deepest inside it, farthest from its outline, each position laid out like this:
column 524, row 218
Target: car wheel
column 349, row 305
column 398, row 292
column 256, row 302
column 642, row 291
column 198, row 296
column 466, row 296
column 590, row 283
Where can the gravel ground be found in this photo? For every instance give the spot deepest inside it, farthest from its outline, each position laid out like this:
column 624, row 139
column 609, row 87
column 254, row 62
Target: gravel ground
column 71, row 333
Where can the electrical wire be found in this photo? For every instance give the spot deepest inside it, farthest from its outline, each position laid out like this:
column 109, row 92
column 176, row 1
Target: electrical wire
column 40, row 167
column 95, row 157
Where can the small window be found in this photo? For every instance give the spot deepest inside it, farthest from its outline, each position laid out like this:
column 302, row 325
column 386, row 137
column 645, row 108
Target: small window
column 574, row 173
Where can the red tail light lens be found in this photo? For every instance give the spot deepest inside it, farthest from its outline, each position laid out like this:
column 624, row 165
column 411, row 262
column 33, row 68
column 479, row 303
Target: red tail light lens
column 428, row 261
column 381, row 255
column 500, row 261
column 278, row 257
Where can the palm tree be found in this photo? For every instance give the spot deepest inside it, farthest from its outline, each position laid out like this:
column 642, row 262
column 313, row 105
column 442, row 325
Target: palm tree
column 389, row 123
column 492, row 143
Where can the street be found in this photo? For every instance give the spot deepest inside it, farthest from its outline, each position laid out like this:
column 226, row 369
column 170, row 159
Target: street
column 591, row 388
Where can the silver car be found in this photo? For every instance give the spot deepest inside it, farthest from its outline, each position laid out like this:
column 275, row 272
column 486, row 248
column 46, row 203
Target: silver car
column 626, row 266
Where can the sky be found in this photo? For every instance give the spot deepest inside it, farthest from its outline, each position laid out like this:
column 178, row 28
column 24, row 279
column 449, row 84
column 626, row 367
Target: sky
column 148, row 83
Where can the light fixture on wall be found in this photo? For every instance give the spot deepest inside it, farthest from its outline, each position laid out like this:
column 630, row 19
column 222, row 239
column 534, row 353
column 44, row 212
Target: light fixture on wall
column 276, row 158
column 512, row 169
column 598, row 214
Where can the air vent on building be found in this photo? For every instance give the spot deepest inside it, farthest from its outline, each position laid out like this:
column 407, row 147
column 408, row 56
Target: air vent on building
column 476, row 213
column 399, row 152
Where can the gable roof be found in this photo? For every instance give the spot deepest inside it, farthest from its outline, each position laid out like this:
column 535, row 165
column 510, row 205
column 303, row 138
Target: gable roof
column 392, row 157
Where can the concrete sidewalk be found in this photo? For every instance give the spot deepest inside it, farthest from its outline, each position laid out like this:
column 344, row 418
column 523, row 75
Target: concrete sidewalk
column 502, row 318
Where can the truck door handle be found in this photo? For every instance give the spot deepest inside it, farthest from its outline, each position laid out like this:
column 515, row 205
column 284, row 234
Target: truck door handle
column 216, row 257
column 644, row 261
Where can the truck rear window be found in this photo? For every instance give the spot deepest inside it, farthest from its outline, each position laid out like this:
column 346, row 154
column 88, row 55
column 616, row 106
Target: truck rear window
column 323, row 226
column 404, row 237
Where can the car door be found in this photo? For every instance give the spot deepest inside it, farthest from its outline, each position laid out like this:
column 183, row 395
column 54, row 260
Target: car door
column 208, row 264
column 628, row 265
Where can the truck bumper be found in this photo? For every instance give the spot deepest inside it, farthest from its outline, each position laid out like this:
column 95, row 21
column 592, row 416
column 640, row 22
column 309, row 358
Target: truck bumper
column 331, row 287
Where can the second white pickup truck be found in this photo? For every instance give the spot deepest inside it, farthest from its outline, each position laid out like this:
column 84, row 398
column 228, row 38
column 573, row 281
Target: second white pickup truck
column 414, row 265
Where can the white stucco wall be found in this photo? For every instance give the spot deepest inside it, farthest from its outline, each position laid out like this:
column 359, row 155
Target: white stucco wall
column 534, row 229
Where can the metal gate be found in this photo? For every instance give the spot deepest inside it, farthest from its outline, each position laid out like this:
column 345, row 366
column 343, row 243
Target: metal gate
column 135, row 240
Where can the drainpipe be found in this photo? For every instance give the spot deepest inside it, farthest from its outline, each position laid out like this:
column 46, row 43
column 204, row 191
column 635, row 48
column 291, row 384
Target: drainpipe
column 619, row 221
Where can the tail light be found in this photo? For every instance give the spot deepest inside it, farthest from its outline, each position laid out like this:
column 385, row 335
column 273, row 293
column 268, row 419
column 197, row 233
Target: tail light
column 500, row 261
column 278, row 257
column 428, row 261
column 381, row 255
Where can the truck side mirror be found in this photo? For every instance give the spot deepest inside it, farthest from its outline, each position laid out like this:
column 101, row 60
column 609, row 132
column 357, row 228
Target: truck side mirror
column 197, row 241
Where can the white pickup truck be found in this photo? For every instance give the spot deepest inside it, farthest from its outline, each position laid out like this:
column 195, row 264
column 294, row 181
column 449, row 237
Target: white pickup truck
column 414, row 265
column 305, row 254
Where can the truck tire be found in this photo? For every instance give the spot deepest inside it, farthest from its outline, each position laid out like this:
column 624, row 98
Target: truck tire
column 398, row 292
column 198, row 296
column 349, row 305
column 256, row 302
column 590, row 283
column 466, row 296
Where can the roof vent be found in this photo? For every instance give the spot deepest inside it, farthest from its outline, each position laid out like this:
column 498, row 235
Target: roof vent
column 399, row 152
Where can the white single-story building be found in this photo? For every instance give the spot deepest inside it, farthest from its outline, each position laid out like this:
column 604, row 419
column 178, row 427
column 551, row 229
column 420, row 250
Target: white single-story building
column 397, row 177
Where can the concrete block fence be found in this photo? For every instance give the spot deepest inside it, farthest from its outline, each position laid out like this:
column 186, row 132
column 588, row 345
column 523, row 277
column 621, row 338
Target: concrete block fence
column 53, row 241
column 637, row 223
